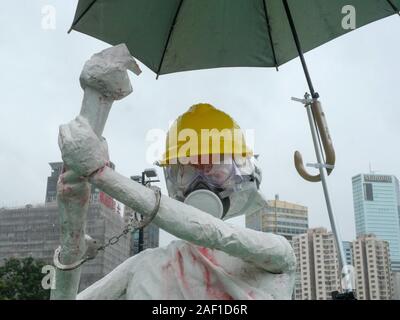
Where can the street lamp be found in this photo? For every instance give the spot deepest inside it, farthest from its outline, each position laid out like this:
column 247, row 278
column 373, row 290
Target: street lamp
column 150, row 173
column 137, row 178
column 147, row 173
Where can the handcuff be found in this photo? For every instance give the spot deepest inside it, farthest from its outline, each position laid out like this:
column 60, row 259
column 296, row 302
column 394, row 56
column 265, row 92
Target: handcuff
column 92, row 247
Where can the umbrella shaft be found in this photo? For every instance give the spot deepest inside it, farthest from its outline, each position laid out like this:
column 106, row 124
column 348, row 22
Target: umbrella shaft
column 299, row 49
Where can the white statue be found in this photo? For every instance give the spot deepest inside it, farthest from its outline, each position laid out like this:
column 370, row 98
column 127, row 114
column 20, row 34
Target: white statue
column 214, row 259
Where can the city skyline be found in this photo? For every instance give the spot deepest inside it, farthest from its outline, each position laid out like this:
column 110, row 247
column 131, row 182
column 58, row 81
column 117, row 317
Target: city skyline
column 166, row 238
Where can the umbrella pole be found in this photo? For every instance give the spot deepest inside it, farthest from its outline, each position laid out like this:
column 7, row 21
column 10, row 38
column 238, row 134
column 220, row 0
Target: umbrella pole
column 314, row 94
column 346, row 277
column 347, row 285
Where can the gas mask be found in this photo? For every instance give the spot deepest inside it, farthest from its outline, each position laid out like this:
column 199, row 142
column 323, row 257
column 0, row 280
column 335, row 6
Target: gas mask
column 223, row 190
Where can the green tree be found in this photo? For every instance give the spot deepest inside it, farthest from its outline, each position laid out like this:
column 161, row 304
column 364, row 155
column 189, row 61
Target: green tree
column 21, row 279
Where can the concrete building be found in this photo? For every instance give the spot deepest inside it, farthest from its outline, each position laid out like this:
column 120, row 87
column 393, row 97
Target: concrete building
column 318, row 273
column 280, row 217
column 373, row 275
column 376, row 201
column 34, row 231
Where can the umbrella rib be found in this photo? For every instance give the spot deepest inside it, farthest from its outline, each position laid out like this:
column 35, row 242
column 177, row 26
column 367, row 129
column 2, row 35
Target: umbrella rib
column 394, row 7
column 169, row 37
column 270, row 33
column 81, row 15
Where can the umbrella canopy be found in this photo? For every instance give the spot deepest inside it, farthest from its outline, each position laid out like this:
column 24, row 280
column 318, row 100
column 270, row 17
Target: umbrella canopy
column 180, row 35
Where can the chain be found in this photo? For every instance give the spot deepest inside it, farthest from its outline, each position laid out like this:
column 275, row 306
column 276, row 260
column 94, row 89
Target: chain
column 132, row 226
column 93, row 248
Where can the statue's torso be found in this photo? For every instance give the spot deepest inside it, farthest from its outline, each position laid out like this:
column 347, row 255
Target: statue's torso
column 185, row 271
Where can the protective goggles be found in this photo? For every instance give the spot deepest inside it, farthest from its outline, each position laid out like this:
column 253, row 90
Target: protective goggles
column 224, row 175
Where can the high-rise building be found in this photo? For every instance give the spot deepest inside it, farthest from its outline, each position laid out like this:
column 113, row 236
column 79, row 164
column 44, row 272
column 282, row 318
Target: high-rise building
column 280, row 217
column 348, row 251
column 376, row 207
column 372, row 271
column 317, row 274
column 35, row 231
column 51, row 190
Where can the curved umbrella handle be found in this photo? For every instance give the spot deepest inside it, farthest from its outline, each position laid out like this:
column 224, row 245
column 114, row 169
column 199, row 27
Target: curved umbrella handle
column 322, row 127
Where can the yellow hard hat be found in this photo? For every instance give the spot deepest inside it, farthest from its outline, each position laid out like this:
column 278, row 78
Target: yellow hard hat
column 204, row 130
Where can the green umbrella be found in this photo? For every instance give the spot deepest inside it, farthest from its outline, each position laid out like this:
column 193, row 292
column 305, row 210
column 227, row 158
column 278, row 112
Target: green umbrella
column 180, row 35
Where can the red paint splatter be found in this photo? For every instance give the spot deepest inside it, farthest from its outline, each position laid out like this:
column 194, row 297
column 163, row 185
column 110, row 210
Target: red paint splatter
column 100, row 171
column 84, row 199
column 215, row 291
column 207, row 278
column 65, row 189
column 206, row 253
column 251, row 295
column 220, row 295
column 180, row 264
column 181, row 270
column 194, row 258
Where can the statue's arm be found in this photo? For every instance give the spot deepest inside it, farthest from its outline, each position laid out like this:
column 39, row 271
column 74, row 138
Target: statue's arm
column 104, row 79
column 269, row 251
column 73, row 199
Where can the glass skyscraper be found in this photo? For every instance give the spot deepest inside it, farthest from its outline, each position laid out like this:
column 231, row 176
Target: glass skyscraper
column 376, row 201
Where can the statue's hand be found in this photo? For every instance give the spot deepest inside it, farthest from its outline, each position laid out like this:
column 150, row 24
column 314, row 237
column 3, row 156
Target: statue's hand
column 82, row 151
column 106, row 72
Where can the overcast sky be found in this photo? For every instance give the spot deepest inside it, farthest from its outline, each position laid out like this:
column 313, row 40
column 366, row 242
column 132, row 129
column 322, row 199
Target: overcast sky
column 356, row 75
